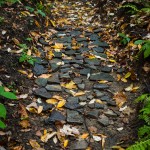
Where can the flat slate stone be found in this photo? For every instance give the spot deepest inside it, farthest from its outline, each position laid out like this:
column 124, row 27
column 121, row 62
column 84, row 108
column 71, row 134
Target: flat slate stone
column 105, row 98
column 46, row 106
column 70, row 52
column 55, row 116
column 97, row 30
column 98, row 93
column 101, row 76
column 77, row 80
column 100, row 54
column 40, row 61
column 106, row 69
column 85, row 71
column 43, row 42
column 72, row 105
column 73, row 99
column 98, row 49
column 53, row 79
column 92, row 61
column 39, row 69
column 94, row 37
column 54, row 67
column 42, row 92
column 65, row 76
column 82, row 98
column 81, row 39
column 54, row 88
column 110, row 113
column 103, row 44
column 104, row 120
column 41, row 81
column 93, row 114
column 99, row 106
column 100, row 86
column 111, row 103
column 74, row 117
column 81, row 86
column 79, row 145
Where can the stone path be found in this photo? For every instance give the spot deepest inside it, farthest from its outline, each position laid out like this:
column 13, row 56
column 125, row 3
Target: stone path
column 75, row 56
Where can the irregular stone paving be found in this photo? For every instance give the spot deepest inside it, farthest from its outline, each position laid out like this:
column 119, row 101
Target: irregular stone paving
column 74, row 51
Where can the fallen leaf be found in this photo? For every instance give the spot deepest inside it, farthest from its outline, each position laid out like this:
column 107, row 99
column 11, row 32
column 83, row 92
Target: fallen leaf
column 61, row 104
column 127, row 75
column 32, row 107
column 131, row 88
column 40, row 109
column 45, row 76
column 24, row 123
column 97, row 138
column 120, row 98
column 58, row 97
column 37, row 24
column 52, row 101
column 117, row 148
column 70, row 85
column 17, row 148
column 58, row 46
column 55, row 140
column 34, row 144
column 47, row 136
column 23, row 72
column 66, row 143
column 77, row 93
column 84, row 135
column 22, row 96
column 103, row 81
column 23, row 112
column 53, row 23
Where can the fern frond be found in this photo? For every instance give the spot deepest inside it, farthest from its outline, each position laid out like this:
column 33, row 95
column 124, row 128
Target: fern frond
column 146, row 10
column 140, row 145
column 145, row 130
column 131, row 6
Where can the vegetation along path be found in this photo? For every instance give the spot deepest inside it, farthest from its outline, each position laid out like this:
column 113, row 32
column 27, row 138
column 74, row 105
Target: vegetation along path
column 80, row 98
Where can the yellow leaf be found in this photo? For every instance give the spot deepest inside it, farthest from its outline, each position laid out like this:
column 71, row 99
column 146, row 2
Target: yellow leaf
column 58, row 46
column 118, row 77
column 23, row 72
column 61, row 103
column 84, row 135
column 34, row 144
column 127, row 75
column 50, row 55
column 120, row 98
column 53, row 23
column 58, row 97
column 102, row 81
column 37, row 24
column 16, row 41
column 46, row 22
column 66, row 143
column 40, row 109
column 70, row 85
column 78, row 93
column 98, row 101
column 135, row 88
column 52, row 101
column 124, row 80
column 45, row 76
column 129, row 88
column 29, row 52
column 118, row 148
column 112, row 60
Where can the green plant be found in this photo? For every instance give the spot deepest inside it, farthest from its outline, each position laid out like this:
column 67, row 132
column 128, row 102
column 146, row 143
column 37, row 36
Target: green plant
column 132, row 8
column 124, row 39
column 1, row 19
column 8, row 1
column 8, row 95
column 144, row 131
column 145, row 47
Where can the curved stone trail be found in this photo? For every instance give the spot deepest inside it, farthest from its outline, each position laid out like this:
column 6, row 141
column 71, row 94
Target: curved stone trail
column 82, row 74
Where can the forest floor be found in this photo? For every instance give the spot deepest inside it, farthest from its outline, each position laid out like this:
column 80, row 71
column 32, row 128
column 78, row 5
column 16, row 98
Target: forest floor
column 80, row 92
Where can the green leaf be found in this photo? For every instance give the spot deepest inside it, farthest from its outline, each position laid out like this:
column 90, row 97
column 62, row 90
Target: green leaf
column 2, row 111
column 9, row 95
column 147, row 52
column 41, row 13
column 30, row 8
column 2, row 125
column 1, row 89
column 139, row 42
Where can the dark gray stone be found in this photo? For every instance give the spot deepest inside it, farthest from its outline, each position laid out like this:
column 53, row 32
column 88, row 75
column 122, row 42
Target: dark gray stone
column 46, row 106
column 100, row 86
column 57, row 54
column 85, row 71
column 90, row 97
column 101, row 76
column 98, row 49
column 106, row 69
column 55, row 116
column 72, row 105
column 65, row 75
column 97, row 30
column 92, row 61
column 90, row 66
column 54, row 88
column 40, row 49
column 73, row 99
column 43, row 42
column 39, row 69
column 104, row 120
column 70, row 52
column 105, row 98
column 54, row 78
column 92, row 106
column 74, row 117
column 111, row 103
column 99, row 106
column 103, row 44
column 54, row 67
column 75, row 33
column 65, row 70
column 98, row 93
column 82, row 98
column 77, row 80
column 40, row 61
column 110, row 113
column 94, row 37
column 120, row 70
column 93, row 114
column 79, row 57
column 41, row 81
column 81, row 86
column 79, row 145
column 42, row 92
column 60, row 28
column 100, row 54
column 81, row 39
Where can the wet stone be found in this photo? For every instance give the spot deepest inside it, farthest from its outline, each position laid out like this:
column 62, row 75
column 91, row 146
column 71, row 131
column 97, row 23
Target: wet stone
column 82, row 98
column 104, row 120
column 110, row 113
column 81, row 39
column 74, row 117
column 54, row 79
column 65, row 70
column 79, row 145
column 54, row 67
column 40, row 49
column 41, row 81
column 92, row 106
column 103, row 44
column 70, row 52
column 92, row 61
column 100, row 54
column 42, row 92
column 57, row 54
column 85, row 71
column 85, row 44
column 101, row 76
column 105, row 98
column 81, row 86
column 90, row 97
column 97, row 30
column 65, row 76
column 90, row 66
column 99, row 106
column 111, row 103
column 39, row 69
column 54, row 88
column 84, row 49
column 55, row 116
column 75, row 33
column 40, row 61
column 80, row 62
column 73, row 99
column 72, row 105
column 77, row 80
column 46, row 106
column 100, row 86
column 79, row 57
column 93, row 114
column 61, row 28
column 106, row 69
column 98, row 49
column 98, row 93
column 94, row 37
column 43, row 42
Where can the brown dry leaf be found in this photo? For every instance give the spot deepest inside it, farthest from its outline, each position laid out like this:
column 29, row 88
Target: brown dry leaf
column 16, row 41
column 120, row 98
column 92, row 129
column 40, row 109
column 23, row 112
column 46, row 22
column 32, row 107
column 45, row 76
column 34, row 144
column 30, row 75
column 6, row 89
column 61, row 104
column 37, row 24
column 66, row 143
column 118, row 77
column 88, row 148
column 35, row 34
column 131, row 88
column 24, row 123
column 103, row 81
column 18, row 148
column 22, row 96
column 52, row 101
column 70, row 85
column 79, row 93
column 23, row 72
column 84, row 135
column 29, row 52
